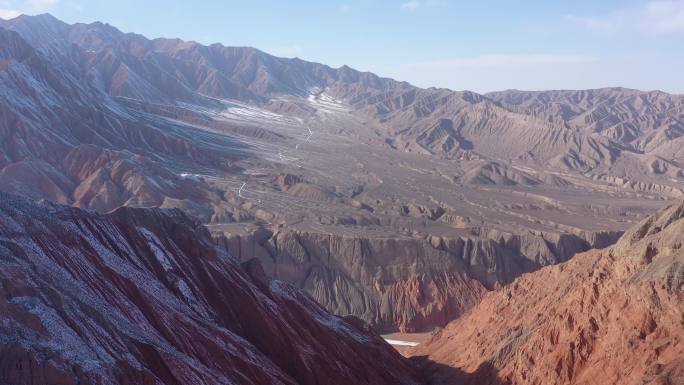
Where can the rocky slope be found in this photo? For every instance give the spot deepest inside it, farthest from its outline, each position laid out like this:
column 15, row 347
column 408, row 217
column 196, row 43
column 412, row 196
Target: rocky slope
column 141, row 296
column 65, row 140
column 641, row 123
column 612, row 316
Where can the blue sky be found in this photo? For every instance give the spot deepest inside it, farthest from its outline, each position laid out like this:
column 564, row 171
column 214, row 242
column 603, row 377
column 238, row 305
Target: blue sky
column 480, row 46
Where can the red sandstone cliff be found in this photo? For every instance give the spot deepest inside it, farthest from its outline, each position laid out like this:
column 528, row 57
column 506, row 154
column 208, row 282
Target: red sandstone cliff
column 613, row 316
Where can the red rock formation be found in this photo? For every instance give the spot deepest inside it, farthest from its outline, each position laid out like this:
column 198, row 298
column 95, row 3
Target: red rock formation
column 611, row 316
column 430, row 300
column 141, row 296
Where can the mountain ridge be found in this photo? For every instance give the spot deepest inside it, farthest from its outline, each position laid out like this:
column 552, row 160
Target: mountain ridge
column 143, row 296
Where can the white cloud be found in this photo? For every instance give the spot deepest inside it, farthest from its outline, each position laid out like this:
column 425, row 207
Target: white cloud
column 503, row 61
column 287, row 51
column 344, row 8
column 659, row 17
column 42, row 4
column 413, row 5
column 12, row 9
column 9, row 13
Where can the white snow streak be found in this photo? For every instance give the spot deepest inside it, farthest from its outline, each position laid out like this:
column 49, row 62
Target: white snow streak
column 401, row 343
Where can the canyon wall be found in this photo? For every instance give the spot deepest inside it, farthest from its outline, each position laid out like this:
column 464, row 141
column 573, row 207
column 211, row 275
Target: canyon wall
column 410, row 284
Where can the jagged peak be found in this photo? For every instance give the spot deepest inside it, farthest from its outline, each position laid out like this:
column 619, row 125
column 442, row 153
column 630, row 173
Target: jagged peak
column 661, row 222
column 38, row 21
column 656, row 243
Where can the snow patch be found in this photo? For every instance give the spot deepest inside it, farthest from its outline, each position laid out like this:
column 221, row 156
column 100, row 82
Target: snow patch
column 400, row 343
column 62, row 338
column 245, row 113
column 326, row 103
column 195, row 177
column 154, row 243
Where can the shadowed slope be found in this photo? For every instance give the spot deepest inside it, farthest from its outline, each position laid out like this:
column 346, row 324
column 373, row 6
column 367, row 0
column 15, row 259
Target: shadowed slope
column 143, row 296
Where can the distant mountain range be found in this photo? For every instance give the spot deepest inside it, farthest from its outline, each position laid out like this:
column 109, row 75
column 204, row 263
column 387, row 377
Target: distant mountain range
column 74, row 84
column 572, row 129
column 312, row 168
